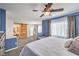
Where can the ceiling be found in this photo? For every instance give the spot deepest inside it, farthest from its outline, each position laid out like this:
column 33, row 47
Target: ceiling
column 23, row 11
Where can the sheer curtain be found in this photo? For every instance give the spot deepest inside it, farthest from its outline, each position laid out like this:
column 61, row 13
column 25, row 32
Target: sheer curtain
column 59, row 27
column 31, row 28
column 40, row 28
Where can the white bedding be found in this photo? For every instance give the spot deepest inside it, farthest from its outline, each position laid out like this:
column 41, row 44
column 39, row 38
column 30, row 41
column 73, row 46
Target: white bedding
column 50, row 46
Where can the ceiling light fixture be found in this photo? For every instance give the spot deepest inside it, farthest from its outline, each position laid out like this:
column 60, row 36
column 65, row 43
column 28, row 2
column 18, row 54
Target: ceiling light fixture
column 46, row 13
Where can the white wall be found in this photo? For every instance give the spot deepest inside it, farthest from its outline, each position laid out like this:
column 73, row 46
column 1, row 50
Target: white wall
column 28, row 21
column 9, row 25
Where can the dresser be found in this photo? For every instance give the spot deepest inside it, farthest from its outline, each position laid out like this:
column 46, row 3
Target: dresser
column 2, row 44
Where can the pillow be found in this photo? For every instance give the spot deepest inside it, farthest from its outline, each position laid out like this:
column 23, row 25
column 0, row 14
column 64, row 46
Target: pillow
column 77, row 38
column 74, row 47
column 68, row 43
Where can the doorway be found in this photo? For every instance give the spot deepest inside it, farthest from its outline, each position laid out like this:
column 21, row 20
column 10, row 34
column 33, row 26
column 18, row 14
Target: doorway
column 20, row 30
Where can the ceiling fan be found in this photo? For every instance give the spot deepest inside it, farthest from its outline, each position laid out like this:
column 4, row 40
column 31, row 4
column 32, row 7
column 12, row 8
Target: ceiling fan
column 47, row 10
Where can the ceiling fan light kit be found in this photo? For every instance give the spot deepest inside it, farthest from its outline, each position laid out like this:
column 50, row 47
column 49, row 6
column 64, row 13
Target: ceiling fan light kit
column 46, row 13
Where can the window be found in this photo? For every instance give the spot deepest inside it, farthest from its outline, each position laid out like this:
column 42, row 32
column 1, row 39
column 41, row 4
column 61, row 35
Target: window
column 40, row 28
column 31, row 28
column 59, row 28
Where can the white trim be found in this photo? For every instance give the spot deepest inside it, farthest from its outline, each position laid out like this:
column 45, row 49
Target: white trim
column 11, row 49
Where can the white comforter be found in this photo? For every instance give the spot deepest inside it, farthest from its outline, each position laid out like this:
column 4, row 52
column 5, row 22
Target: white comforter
column 50, row 46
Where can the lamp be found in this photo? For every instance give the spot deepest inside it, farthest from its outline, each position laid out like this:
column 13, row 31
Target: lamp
column 46, row 13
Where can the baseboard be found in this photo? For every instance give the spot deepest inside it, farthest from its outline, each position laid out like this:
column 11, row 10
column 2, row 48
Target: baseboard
column 11, row 49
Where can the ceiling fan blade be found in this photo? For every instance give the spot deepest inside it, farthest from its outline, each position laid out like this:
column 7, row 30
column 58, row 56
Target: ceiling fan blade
column 35, row 10
column 57, row 10
column 48, row 6
column 42, row 15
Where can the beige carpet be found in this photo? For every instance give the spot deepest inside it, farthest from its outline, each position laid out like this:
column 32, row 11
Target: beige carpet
column 14, row 52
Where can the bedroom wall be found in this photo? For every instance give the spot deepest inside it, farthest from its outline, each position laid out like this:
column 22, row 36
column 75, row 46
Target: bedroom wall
column 9, row 28
column 28, row 21
column 2, row 20
column 45, row 28
column 10, row 41
column 6, row 25
column 9, row 25
column 77, row 25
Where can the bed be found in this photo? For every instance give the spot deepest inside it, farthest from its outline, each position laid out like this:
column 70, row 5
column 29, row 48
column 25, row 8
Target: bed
column 49, row 46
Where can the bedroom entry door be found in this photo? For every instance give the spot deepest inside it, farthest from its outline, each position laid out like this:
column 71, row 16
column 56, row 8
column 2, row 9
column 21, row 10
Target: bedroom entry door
column 20, row 30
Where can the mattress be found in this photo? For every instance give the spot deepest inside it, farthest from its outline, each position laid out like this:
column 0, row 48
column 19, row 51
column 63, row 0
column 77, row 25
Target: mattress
column 50, row 46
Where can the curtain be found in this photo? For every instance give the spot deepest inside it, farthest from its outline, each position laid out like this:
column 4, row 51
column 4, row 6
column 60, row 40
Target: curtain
column 71, row 26
column 35, row 32
column 40, row 28
column 63, row 27
column 59, row 27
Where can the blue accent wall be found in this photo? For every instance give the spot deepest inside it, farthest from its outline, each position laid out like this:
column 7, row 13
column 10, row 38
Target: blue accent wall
column 45, row 28
column 77, row 25
column 10, row 43
column 2, row 20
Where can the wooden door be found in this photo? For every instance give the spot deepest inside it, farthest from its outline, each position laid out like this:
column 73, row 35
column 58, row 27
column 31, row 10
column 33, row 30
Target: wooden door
column 20, row 31
column 23, row 31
